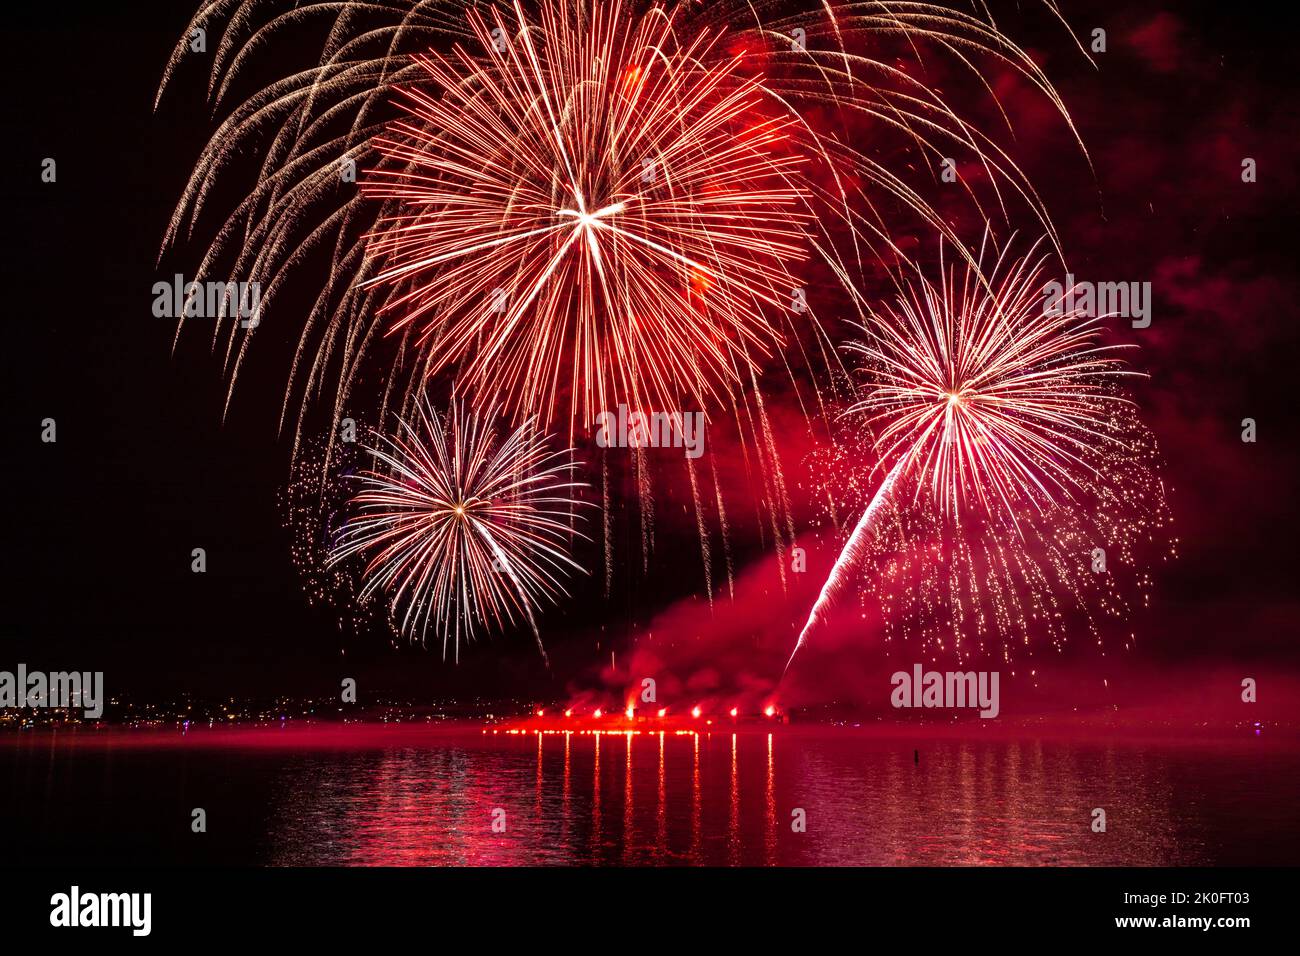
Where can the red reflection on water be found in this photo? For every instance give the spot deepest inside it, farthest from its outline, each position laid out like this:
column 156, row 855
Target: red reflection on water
column 421, row 796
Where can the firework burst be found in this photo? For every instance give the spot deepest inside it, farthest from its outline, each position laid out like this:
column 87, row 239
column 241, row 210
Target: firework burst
column 1006, row 420
column 982, row 393
column 612, row 218
column 462, row 531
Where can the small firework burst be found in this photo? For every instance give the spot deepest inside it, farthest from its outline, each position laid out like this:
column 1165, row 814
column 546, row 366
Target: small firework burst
column 982, row 394
column 461, row 530
column 1011, row 460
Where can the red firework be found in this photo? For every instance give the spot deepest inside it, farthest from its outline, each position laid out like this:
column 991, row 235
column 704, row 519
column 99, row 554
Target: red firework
column 595, row 210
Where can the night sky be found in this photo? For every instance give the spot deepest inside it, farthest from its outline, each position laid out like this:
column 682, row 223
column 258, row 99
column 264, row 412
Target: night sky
column 100, row 525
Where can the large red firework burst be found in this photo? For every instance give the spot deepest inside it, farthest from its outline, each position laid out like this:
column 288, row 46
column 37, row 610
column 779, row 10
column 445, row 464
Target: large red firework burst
column 591, row 208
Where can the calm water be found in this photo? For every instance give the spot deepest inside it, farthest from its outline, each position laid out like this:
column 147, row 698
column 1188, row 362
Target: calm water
column 416, row 797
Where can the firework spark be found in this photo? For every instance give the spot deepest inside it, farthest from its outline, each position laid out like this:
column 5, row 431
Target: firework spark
column 461, row 531
column 997, row 412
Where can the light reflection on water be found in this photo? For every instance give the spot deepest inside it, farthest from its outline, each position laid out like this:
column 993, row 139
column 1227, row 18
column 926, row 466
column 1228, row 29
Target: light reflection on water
column 725, row 799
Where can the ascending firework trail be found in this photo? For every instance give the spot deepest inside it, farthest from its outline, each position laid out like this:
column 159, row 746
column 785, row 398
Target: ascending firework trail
column 849, row 556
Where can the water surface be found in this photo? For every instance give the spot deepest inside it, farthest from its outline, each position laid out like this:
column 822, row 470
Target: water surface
column 428, row 797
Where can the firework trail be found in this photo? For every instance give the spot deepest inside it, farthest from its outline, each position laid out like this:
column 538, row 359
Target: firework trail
column 850, row 556
column 460, row 530
column 987, row 401
column 513, row 181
